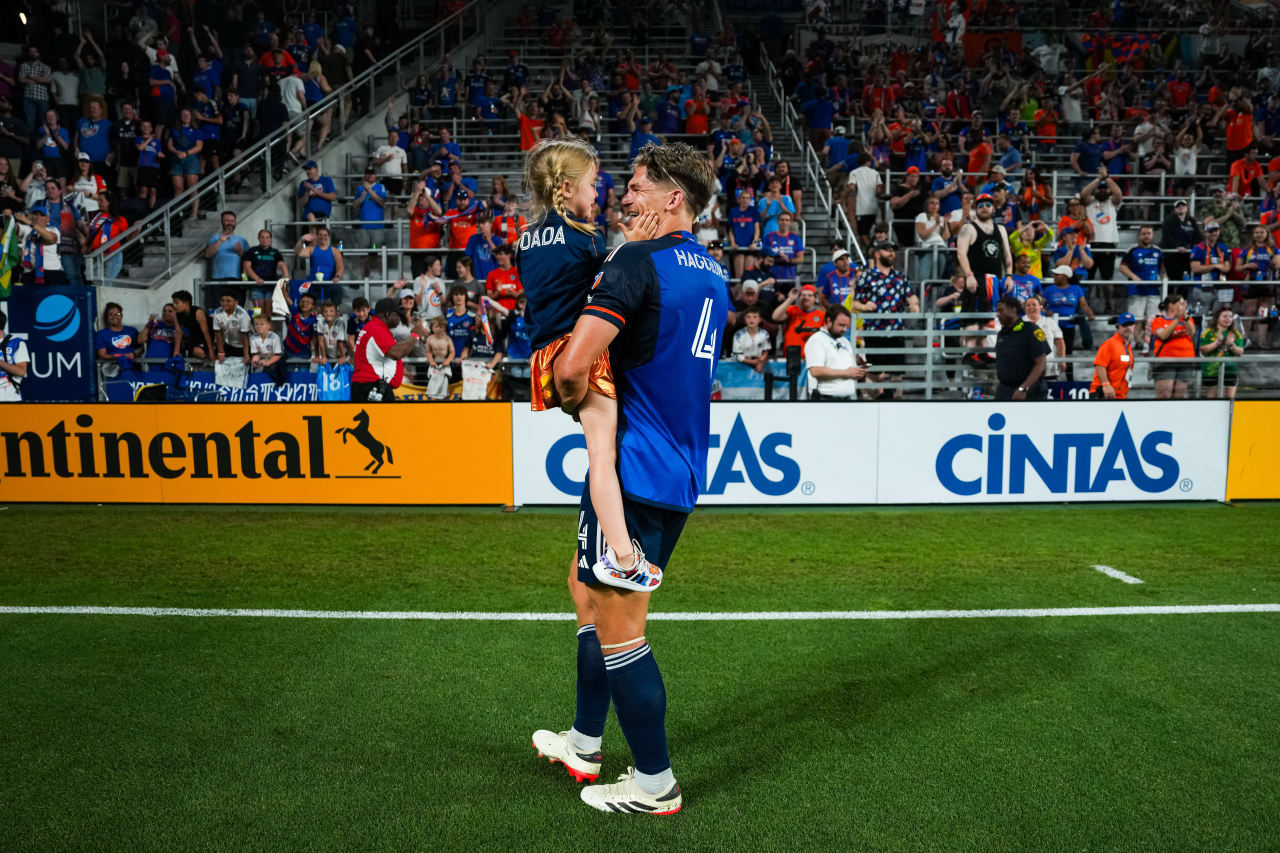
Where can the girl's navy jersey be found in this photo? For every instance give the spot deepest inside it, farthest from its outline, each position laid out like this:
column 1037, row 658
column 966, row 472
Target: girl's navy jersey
column 557, row 263
column 669, row 301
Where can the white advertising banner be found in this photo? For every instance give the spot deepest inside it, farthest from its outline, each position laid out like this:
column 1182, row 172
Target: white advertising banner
column 760, row 453
column 1068, row 451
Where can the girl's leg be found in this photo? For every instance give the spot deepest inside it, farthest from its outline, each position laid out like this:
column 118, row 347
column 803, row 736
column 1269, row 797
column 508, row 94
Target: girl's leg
column 599, row 417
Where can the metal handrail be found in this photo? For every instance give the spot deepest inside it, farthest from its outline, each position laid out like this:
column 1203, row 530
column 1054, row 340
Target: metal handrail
column 217, row 181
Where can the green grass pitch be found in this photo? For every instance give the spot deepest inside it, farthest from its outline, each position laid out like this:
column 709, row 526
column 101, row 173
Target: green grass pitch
column 1135, row 732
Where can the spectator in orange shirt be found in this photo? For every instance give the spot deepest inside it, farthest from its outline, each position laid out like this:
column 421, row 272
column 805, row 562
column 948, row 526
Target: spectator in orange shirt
column 1237, row 114
column 979, row 158
column 502, row 285
column 1076, row 218
column 1046, row 123
column 1246, row 174
column 1173, row 336
column 1113, row 365
column 801, row 314
column 697, row 111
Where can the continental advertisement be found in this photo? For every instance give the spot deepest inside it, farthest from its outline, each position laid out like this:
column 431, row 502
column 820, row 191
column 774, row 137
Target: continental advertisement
column 272, row 453
column 1253, row 472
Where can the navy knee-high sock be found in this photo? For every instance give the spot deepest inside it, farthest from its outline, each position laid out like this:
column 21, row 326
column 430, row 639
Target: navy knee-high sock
column 593, row 685
column 640, row 701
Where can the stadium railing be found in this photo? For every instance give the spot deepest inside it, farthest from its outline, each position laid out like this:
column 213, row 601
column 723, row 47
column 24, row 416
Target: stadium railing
column 812, row 164
column 160, row 225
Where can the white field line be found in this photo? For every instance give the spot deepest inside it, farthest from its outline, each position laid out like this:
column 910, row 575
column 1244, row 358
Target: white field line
column 741, row 616
column 1117, row 574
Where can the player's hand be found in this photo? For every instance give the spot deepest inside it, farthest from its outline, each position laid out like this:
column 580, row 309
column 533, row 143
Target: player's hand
column 641, row 227
column 1109, row 392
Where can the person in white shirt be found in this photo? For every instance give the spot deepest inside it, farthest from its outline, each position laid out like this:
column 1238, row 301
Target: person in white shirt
column 751, row 343
column 391, row 160
column 14, row 363
column 862, row 195
column 1033, row 310
column 40, row 261
column 231, row 329
column 265, row 347
column 830, row 359
column 1102, row 197
column 932, row 233
column 429, row 289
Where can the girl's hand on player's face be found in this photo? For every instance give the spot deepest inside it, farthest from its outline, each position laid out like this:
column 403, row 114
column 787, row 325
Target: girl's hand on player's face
column 643, row 226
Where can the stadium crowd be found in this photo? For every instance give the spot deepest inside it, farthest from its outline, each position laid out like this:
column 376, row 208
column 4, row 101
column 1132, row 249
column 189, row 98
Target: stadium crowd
column 1076, row 178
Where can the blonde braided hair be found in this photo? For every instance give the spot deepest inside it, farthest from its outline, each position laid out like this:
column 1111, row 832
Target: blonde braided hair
column 547, row 167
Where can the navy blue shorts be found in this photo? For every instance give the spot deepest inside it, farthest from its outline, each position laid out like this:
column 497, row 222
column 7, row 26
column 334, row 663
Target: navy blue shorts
column 656, row 529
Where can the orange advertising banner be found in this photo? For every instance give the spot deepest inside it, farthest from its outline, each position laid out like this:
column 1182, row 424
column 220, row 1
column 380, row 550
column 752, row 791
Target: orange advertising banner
column 1253, row 467
column 255, row 453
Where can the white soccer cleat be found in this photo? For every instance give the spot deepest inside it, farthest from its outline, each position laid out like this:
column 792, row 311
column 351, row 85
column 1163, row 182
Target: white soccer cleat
column 626, row 797
column 556, row 748
column 641, row 577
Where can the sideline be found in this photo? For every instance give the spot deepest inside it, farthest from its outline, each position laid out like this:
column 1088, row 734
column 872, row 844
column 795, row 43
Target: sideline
column 711, row 616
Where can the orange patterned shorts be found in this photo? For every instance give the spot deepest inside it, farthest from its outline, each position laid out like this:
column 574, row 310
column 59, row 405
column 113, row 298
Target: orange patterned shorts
column 542, row 386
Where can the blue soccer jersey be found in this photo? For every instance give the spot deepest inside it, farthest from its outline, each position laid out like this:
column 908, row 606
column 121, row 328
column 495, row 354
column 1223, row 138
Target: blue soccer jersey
column 1145, row 264
column 669, row 301
column 557, row 263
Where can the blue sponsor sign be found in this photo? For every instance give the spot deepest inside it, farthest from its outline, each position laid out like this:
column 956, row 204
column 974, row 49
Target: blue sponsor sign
column 57, row 324
column 298, row 387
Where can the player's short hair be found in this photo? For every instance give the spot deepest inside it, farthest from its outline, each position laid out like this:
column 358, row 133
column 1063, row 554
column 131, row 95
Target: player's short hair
column 836, row 310
column 681, row 166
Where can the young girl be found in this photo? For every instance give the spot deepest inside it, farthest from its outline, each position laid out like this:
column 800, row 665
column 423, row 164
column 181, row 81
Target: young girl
column 559, row 256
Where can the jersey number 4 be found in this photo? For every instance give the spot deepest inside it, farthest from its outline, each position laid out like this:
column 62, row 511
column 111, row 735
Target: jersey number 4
column 704, row 340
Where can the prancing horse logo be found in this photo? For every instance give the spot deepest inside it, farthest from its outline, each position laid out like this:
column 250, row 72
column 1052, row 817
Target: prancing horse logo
column 361, row 434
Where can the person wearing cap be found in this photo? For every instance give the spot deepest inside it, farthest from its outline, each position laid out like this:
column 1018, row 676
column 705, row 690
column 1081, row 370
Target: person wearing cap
column 786, row 247
column 1210, row 259
column 1073, row 254
column 643, row 135
column 836, row 149
column 907, row 202
column 801, row 314
column 1065, row 300
column 1022, row 351
column 982, row 246
column 317, row 194
column 378, row 369
column 1179, row 233
column 995, row 178
column 759, row 269
column 1113, row 365
column 41, row 263
column 1224, row 209
column 371, row 197
column 882, row 289
column 751, row 298
column 1102, row 198
column 829, row 357
column 516, row 74
column 837, row 283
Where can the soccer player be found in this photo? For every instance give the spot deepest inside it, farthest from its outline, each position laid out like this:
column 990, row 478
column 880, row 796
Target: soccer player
column 658, row 305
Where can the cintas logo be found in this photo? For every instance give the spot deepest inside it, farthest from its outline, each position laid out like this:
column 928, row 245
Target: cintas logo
column 1068, row 465
column 764, row 466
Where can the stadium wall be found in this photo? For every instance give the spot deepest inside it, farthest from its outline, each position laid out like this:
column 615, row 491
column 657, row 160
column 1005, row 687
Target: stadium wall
column 765, row 454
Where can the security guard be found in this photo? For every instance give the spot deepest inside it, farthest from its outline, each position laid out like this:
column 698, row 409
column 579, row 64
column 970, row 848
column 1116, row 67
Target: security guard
column 1021, row 351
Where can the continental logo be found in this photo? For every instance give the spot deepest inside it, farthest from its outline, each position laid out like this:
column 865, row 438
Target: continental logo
column 313, row 448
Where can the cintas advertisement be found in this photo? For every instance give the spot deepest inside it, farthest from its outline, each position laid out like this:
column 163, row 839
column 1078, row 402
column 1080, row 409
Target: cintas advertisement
column 759, row 453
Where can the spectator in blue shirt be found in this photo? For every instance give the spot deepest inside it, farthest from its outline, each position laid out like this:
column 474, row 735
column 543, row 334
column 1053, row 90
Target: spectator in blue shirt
column 447, row 151
column 371, row 198
column 837, row 148
column 1087, row 157
column 93, row 136
column 643, row 136
column 819, row 111
column 226, row 250
column 480, row 248
column 1070, row 253
column 744, row 228
column 1143, row 265
column 786, row 246
column 1010, row 157
column 488, row 108
column 948, row 187
column 317, row 192
column 1065, row 300
column 477, row 80
column 668, row 113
